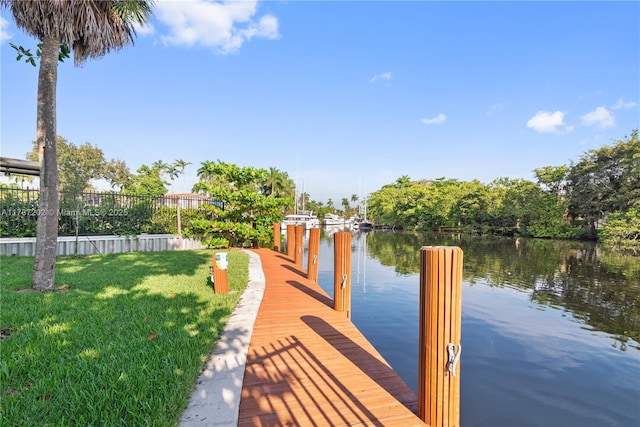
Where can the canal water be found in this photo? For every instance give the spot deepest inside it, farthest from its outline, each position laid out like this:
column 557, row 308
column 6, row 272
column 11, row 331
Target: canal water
column 550, row 330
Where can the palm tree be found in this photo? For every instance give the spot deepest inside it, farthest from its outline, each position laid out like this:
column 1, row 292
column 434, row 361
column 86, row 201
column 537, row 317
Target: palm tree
column 345, row 204
column 272, row 182
column 179, row 167
column 91, row 28
column 354, row 199
column 278, row 183
column 403, row 181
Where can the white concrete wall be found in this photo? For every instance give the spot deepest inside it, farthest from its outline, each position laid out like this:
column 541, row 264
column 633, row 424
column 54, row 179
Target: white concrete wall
column 25, row 246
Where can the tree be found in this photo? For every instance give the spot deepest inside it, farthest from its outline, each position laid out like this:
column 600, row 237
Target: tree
column 147, row 181
column 77, row 165
column 304, row 199
column 622, row 231
column 345, row 204
column 354, row 199
column 249, row 212
column 91, row 28
column 278, row 184
column 179, row 166
column 330, row 203
column 117, row 173
column 551, row 178
column 403, row 181
column 605, row 181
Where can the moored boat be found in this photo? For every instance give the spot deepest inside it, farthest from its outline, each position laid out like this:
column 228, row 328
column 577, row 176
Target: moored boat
column 305, row 218
column 331, row 219
column 365, row 226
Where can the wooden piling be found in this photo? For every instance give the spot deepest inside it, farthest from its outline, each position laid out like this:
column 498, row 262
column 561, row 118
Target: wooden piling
column 220, row 280
column 314, row 251
column 291, row 247
column 299, row 249
column 439, row 336
column 276, row 237
column 342, row 272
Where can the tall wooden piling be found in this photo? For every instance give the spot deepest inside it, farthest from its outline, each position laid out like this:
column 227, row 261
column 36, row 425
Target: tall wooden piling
column 276, row 237
column 299, row 248
column 342, row 272
column 439, row 336
column 291, row 246
column 314, row 251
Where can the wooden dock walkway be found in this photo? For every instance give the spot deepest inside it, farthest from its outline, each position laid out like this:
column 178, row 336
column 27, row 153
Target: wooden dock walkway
column 308, row 365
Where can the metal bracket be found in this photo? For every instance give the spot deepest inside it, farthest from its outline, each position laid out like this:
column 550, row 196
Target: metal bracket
column 344, row 281
column 454, row 357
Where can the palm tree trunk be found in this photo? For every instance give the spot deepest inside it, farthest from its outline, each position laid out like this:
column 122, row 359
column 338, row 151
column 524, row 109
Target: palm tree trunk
column 43, row 278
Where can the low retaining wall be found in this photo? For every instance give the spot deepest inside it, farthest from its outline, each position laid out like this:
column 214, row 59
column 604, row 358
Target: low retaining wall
column 25, row 246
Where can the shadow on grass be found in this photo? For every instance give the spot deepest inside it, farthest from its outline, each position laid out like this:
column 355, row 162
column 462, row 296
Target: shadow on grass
column 123, row 347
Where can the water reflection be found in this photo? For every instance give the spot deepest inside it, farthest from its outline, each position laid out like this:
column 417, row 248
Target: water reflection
column 601, row 290
column 543, row 325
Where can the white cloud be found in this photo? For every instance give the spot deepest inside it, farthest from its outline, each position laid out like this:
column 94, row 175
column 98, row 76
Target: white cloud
column 4, row 33
column 600, row 117
column 435, row 120
column 224, row 26
column 381, row 76
column 547, row 122
column 621, row 104
column 144, row 30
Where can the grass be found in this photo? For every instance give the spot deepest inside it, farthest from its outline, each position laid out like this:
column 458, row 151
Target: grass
column 122, row 345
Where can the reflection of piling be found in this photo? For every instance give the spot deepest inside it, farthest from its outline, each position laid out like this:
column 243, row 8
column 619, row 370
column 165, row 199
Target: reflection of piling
column 276, row 237
column 439, row 336
column 314, row 250
column 342, row 272
column 291, row 249
column 299, row 234
column 220, row 280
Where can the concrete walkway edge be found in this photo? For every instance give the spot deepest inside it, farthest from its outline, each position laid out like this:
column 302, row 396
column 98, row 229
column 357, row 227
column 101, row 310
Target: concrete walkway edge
column 216, row 400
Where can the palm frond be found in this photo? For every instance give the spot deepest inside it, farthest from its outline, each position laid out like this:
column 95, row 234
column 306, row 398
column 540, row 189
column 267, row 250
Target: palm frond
column 91, row 27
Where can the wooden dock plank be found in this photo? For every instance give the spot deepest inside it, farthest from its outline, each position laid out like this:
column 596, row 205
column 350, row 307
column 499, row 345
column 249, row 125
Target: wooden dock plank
column 308, row 365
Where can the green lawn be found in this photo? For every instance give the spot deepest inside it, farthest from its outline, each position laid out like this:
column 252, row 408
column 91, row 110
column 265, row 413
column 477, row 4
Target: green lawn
column 122, row 346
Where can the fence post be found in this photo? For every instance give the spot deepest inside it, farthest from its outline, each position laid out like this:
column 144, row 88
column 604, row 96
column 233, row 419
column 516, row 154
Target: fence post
column 291, row 247
column 219, row 267
column 299, row 234
column 276, row 237
column 314, row 250
column 439, row 335
column 342, row 272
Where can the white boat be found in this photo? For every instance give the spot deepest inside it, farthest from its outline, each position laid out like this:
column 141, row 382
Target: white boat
column 332, row 219
column 305, row 218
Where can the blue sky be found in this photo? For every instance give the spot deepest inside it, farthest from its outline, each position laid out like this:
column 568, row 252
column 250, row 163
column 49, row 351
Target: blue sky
column 348, row 96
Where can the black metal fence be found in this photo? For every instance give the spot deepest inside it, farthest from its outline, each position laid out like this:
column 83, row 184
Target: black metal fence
column 94, row 213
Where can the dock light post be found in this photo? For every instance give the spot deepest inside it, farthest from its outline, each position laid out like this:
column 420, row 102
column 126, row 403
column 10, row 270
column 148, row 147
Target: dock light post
column 439, row 335
column 219, row 267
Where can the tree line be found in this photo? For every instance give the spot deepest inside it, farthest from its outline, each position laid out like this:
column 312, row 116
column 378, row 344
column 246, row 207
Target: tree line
column 597, row 196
